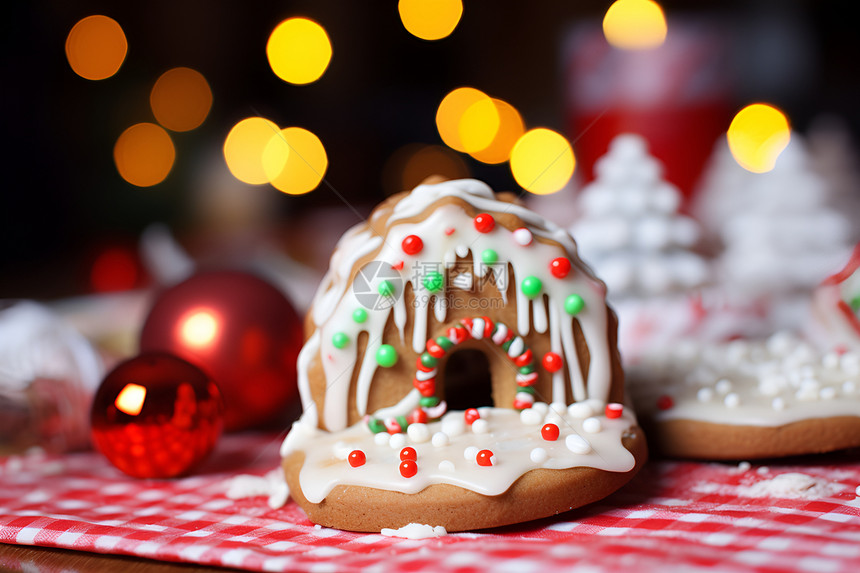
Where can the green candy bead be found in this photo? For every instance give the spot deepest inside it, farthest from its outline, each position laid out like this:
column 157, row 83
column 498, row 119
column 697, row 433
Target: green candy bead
column 386, row 288
column 445, row 342
column 428, row 360
column 428, row 401
column 401, row 420
column 434, row 281
column 376, row 426
column 573, row 304
column 531, row 287
column 855, row 303
column 340, row 340
column 386, row 356
column 359, row 315
column 527, row 390
column 489, row 256
column 527, row 369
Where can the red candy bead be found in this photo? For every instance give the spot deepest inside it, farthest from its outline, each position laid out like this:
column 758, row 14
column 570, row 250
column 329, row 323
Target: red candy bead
column 484, row 458
column 408, row 468
column 614, row 410
column 471, row 415
column 665, row 402
column 524, row 359
column 552, row 362
column 412, row 245
column 549, row 432
column 357, row 458
column 484, row 223
column 559, row 267
column 417, row 416
column 408, row 453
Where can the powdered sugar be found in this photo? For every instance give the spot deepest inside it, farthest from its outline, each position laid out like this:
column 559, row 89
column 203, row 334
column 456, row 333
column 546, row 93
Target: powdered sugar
column 272, row 485
column 791, row 485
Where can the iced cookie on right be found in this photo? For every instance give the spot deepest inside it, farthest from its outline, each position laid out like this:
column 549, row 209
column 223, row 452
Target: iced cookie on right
column 748, row 399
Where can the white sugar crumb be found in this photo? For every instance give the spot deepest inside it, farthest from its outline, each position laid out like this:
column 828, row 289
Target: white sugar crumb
column 415, row 531
column 272, row 485
column 787, row 486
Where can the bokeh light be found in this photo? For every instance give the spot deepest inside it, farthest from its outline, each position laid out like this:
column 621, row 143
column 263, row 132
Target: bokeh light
column 757, row 135
column 415, row 162
column 144, row 154
column 295, row 161
column 243, row 149
column 200, row 328
column 542, row 161
column 299, row 51
column 96, row 47
column 480, row 126
column 114, row 269
column 430, row 19
column 181, row 99
column 130, row 399
column 511, row 128
column 635, row 24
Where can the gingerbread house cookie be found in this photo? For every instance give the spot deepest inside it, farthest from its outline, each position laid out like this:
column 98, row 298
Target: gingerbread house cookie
column 460, row 370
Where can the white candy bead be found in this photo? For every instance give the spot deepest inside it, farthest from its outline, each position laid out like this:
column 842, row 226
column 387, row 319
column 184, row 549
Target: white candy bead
column 704, row 395
column 446, row 466
column 440, row 439
column 592, row 425
column 540, row 407
column 577, row 444
column 381, row 439
column 559, row 408
column 341, row 450
column 470, row 453
column 580, row 410
column 397, row 441
column 522, row 236
column 723, row 386
column 538, row 455
column 418, row 433
column 531, row 417
column 480, row 426
column 453, row 424
column 732, row 400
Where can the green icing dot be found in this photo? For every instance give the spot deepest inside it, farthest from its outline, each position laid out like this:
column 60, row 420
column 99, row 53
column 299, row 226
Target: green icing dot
column 434, row 281
column 340, row 340
column 359, row 315
column 489, row 256
column 573, row 304
column 531, row 287
column 386, row 288
column 386, row 356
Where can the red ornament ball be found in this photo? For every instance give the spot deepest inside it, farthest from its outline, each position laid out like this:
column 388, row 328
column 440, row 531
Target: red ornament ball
column 471, row 415
column 552, row 362
column 408, row 468
column 156, row 416
column 357, row 458
column 412, row 245
column 559, row 267
column 549, row 432
column 240, row 330
column 409, row 454
column 484, row 223
column 484, row 458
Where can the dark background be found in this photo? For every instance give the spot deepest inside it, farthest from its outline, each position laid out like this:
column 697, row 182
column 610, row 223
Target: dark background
column 63, row 200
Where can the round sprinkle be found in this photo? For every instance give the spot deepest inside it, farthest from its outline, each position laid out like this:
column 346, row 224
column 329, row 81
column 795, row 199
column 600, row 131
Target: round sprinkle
column 440, row 440
column 592, row 425
column 408, row 454
column 434, row 281
column 705, row 395
column 549, row 432
column 382, row 438
column 485, row 458
column 397, row 441
column 470, row 452
column 580, row 410
column 665, row 402
column 577, row 444
column 485, row 223
column 723, row 386
column 471, row 415
column 340, row 340
column 523, row 236
column 531, row 287
column 573, row 304
column 386, row 356
column 552, row 362
column 359, row 315
column 559, row 267
column 732, row 400
column 446, row 466
column 412, row 245
column 408, row 468
column 531, row 417
column 386, row 288
column 489, row 256
column 538, row 455
column 418, row 432
column 480, row 426
column 357, row 458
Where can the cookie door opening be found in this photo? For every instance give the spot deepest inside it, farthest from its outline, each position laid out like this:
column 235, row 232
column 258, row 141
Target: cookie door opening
column 468, row 383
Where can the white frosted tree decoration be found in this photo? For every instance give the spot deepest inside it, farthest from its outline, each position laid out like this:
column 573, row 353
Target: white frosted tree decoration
column 630, row 229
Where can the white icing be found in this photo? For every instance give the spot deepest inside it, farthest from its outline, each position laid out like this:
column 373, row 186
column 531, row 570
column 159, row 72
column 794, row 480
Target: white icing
column 415, row 531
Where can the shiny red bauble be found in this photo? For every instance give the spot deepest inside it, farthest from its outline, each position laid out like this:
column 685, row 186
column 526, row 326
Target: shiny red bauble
column 156, row 416
column 240, row 330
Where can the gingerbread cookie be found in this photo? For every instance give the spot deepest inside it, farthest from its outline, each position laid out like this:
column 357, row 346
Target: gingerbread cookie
column 460, row 370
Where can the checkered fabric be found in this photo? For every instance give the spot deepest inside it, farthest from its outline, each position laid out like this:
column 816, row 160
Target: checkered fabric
column 672, row 517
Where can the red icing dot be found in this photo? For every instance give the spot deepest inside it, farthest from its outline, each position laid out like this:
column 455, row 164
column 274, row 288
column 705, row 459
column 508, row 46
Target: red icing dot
column 484, row 223
column 450, row 231
column 471, row 415
column 665, row 402
column 408, row 454
column 549, row 432
column 398, row 266
column 484, row 458
column 356, row 458
column 614, row 410
column 552, row 362
column 559, row 267
column 408, row 468
column 412, row 245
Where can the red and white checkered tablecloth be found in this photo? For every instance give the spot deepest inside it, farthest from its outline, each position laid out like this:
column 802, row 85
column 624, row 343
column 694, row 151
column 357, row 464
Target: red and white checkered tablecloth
column 673, row 517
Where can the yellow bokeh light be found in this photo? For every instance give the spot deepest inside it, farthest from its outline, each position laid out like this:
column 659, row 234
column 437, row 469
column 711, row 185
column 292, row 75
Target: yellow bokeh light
column 479, row 125
column 542, row 161
column 199, row 329
column 511, row 127
column 299, row 51
column 243, row 149
column 130, row 399
column 430, row 19
column 181, row 99
column 757, row 135
column 96, row 47
column 452, row 110
column 635, row 24
column 295, row 161
column 144, row 154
